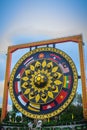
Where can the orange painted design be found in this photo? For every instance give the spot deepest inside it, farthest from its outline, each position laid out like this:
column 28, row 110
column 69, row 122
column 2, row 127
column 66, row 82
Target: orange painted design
column 61, row 96
column 41, row 55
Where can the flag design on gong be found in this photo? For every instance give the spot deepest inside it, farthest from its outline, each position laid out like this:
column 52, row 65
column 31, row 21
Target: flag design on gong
column 67, row 82
column 64, row 68
column 61, row 97
column 17, row 87
column 23, row 99
column 48, row 106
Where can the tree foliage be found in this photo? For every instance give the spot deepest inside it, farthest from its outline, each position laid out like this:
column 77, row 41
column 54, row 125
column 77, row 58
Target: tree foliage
column 74, row 110
column 72, row 113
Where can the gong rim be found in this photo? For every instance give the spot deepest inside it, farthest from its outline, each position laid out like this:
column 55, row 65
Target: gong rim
column 56, row 110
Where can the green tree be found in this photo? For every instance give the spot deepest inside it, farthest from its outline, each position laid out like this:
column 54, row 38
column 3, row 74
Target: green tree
column 74, row 110
column 78, row 99
column 18, row 118
column 14, row 108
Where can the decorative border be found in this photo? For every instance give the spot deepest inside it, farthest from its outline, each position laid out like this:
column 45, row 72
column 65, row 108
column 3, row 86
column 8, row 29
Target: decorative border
column 75, row 76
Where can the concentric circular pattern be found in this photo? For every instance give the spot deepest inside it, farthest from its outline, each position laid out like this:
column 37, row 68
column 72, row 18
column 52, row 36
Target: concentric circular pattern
column 43, row 83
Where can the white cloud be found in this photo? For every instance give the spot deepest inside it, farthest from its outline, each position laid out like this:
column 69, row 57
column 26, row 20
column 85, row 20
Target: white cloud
column 9, row 106
column 1, row 92
column 37, row 23
column 1, row 88
column 5, row 41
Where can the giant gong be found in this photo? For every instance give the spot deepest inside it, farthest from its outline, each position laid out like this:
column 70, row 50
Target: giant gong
column 43, row 82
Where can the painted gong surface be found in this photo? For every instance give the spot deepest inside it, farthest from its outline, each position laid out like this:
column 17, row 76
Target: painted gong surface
column 43, row 82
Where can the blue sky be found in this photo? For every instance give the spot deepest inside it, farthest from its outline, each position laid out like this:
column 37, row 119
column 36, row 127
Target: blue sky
column 23, row 21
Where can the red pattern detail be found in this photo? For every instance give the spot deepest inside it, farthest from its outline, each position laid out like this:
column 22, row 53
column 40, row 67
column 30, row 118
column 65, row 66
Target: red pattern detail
column 55, row 56
column 70, row 82
column 60, row 98
column 51, row 105
column 53, row 60
column 16, row 87
column 21, row 72
column 24, row 98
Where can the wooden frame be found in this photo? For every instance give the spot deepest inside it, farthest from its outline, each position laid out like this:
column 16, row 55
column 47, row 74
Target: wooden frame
column 11, row 49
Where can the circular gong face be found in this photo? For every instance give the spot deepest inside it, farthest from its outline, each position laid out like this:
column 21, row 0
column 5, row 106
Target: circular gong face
column 43, row 83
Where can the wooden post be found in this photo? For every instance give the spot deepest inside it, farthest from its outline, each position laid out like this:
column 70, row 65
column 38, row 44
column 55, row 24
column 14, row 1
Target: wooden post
column 5, row 95
column 83, row 78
